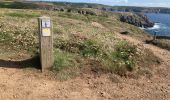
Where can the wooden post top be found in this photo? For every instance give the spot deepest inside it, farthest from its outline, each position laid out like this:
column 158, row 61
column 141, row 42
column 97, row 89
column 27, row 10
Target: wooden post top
column 44, row 17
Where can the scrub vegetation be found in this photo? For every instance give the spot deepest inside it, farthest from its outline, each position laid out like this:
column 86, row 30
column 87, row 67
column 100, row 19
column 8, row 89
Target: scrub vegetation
column 80, row 41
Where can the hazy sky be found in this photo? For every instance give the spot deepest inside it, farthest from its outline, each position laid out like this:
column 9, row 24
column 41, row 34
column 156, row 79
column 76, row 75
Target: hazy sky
column 152, row 3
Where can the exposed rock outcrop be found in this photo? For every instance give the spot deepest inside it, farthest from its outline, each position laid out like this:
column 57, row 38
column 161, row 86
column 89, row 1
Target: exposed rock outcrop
column 139, row 20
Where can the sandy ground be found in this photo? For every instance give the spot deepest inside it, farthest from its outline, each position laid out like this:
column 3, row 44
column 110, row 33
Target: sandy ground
column 31, row 84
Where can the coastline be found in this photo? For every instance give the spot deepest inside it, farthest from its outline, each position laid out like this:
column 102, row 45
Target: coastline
column 162, row 24
column 156, row 26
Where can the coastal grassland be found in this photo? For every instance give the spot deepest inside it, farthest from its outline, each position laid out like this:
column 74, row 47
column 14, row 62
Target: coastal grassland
column 81, row 42
column 22, row 15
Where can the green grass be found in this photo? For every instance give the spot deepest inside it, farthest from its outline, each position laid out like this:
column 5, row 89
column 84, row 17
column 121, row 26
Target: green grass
column 73, row 16
column 65, row 65
column 62, row 60
column 17, row 5
column 5, row 37
column 22, row 15
column 86, row 18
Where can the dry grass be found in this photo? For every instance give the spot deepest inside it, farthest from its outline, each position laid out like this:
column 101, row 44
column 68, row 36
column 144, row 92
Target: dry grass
column 162, row 43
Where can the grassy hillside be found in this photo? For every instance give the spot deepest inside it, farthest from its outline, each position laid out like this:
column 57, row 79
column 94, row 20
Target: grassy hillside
column 23, row 4
column 82, row 43
column 17, row 5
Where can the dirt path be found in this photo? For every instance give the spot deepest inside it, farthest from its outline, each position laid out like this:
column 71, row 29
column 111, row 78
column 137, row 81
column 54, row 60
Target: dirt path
column 30, row 84
column 162, row 53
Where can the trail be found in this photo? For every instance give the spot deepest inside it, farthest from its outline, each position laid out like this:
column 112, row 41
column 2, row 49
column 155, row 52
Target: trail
column 30, row 84
column 162, row 53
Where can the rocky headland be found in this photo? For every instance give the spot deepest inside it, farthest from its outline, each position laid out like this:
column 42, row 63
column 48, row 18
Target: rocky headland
column 139, row 20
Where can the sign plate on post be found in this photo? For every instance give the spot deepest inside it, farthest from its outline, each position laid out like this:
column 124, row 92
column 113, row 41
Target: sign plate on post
column 46, row 24
column 46, row 27
column 46, row 42
column 46, row 32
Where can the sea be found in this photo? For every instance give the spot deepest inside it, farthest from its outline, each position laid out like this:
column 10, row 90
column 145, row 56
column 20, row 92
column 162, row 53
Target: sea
column 162, row 24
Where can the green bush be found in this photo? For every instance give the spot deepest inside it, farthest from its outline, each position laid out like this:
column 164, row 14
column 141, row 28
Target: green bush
column 89, row 48
column 124, row 55
column 121, row 60
column 84, row 47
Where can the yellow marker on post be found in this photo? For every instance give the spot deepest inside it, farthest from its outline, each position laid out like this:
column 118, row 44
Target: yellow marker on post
column 46, row 32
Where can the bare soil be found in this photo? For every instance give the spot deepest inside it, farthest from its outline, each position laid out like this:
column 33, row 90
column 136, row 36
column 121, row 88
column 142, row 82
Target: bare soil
column 17, row 83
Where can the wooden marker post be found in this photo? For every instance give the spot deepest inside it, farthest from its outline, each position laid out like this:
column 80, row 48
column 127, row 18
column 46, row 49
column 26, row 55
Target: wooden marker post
column 46, row 42
column 154, row 37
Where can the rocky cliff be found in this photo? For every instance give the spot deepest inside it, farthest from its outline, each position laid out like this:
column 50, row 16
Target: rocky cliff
column 139, row 20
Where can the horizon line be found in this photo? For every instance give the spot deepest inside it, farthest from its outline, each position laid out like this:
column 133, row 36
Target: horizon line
column 98, row 4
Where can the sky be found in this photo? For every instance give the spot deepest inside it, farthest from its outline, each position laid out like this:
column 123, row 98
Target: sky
column 150, row 3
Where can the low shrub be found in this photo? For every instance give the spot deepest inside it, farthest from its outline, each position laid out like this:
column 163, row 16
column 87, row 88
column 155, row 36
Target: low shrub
column 121, row 60
column 85, row 47
column 89, row 48
column 71, row 46
column 124, row 57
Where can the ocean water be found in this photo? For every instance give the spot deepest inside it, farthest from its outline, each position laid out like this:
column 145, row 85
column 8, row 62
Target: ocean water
column 162, row 24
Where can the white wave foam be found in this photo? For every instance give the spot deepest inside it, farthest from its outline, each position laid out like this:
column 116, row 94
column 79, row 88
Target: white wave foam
column 156, row 26
column 142, row 28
